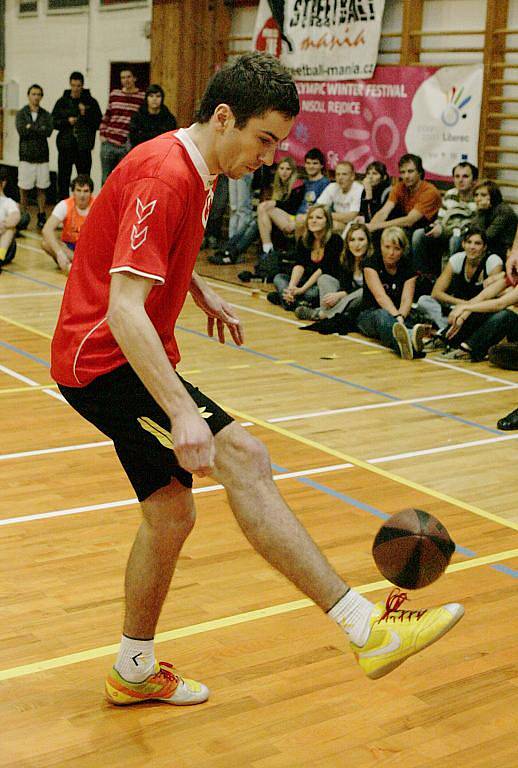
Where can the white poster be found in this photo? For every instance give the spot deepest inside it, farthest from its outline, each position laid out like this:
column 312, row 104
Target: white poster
column 321, row 39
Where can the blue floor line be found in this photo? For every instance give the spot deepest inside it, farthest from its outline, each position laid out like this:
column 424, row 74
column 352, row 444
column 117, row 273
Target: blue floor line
column 24, row 354
column 382, row 515
column 7, row 271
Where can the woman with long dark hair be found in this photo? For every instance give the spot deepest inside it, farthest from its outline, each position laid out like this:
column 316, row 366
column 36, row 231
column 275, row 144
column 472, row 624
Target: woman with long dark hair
column 494, row 216
column 376, row 185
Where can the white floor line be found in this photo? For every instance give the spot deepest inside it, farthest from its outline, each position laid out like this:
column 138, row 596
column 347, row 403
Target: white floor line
column 29, row 234
column 60, row 449
column 32, row 248
column 30, row 294
column 390, row 404
column 352, row 339
column 131, row 502
column 282, row 476
column 18, row 376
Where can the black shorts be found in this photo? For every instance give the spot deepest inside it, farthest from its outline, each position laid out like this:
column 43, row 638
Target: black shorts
column 120, row 406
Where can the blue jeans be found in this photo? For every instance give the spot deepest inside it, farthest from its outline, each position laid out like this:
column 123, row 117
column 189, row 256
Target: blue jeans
column 243, row 238
column 111, row 155
column 281, row 281
column 240, row 200
column 427, row 252
column 377, row 324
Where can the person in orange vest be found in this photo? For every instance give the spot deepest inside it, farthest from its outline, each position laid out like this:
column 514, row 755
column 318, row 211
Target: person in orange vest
column 71, row 214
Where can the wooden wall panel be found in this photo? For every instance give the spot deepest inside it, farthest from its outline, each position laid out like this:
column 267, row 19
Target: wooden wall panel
column 188, row 42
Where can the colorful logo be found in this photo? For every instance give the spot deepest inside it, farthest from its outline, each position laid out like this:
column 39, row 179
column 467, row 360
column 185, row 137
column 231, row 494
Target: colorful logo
column 452, row 112
column 269, row 38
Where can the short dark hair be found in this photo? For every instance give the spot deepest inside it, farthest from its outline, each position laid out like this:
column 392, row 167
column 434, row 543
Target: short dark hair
column 4, row 175
column 495, row 195
column 473, row 229
column 415, row 159
column 465, row 164
column 252, row 85
column 81, row 180
column 126, row 68
column 380, row 167
column 77, row 76
column 315, row 154
column 34, row 85
column 155, row 88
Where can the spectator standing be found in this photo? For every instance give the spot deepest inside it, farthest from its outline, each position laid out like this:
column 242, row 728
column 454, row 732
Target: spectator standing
column 123, row 102
column 343, row 196
column 71, row 214
column 314, row 185
column 388, row 292
column 76, row 117
column 318, row 252
column 34, row 126
column 413, row 199
column 457, row 211
column 495, row 217
column 152, row 119
column 376, row 188
column 9, row 218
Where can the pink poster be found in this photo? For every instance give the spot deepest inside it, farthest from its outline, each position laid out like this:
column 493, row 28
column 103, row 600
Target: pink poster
column 433, row 112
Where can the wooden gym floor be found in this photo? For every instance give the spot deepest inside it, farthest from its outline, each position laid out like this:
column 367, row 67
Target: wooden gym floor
column 355, row 435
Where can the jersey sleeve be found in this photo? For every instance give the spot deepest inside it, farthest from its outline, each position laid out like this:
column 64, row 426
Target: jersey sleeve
column 60, row 211
column 428, row 202
column 151, row 213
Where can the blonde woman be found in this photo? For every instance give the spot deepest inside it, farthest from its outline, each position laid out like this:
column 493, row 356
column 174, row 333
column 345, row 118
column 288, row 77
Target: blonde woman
column 318, row 251
column 388, row 292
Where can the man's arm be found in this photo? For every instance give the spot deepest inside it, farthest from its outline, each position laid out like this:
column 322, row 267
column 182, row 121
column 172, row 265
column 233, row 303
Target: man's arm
column 409, row 220
column 139, row 341
column 381, row 216
column 62, row 254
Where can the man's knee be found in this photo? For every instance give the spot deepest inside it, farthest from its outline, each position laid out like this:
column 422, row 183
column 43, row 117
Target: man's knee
column 170, row 509
column 240, row 456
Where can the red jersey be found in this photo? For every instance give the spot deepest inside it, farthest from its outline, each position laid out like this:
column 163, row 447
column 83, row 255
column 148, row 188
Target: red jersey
column 148, row 219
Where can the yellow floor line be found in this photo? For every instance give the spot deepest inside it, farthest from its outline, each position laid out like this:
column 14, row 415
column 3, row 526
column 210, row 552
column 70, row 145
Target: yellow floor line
column 25, row 327
column 227, row 621
column 345, row 457
column 28, row 388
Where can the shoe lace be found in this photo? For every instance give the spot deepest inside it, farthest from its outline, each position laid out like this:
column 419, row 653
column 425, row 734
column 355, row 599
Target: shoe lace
column 169, row 675
column 393, row 610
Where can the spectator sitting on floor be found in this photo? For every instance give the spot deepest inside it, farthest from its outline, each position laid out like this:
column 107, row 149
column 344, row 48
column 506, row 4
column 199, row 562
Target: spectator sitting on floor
column 417, row 200
column 376, row 189
column 318, row 251
column 71, row 213
column 494, row 216
column 152, row 119
column 388, row 293
column 286, row 195
column 343, row 196
column 457, row 211
column 9, row 218
column 461, row 279
column 314, row 185
column 484, row 321
column 343, row 291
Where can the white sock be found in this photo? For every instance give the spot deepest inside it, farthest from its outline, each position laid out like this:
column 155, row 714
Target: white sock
column 352, row 612
column 267, row 247
column 136, row 659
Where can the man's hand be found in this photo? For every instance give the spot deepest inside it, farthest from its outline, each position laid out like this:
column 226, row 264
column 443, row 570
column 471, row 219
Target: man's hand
column 64, row 258
column 456, row 318
column 219, row 312
column 193, row 442
column 434, row 231
column 330, row 299
column 511, row 265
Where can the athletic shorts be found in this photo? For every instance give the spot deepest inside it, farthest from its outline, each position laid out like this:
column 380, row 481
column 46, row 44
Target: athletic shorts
column 120, row 406
column 32, row 175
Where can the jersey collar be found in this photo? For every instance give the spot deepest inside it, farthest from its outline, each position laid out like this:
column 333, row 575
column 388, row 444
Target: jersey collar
column 196, row 157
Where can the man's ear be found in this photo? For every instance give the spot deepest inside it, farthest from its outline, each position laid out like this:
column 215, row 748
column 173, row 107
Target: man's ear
column 223, row 117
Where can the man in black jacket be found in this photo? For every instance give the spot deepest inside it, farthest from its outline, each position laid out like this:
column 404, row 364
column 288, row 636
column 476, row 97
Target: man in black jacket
column 76, row 116
column 34, row 125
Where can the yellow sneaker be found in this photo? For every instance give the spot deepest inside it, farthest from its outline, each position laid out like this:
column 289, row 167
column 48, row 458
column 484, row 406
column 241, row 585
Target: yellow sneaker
column 397, row 633
column 165, row 684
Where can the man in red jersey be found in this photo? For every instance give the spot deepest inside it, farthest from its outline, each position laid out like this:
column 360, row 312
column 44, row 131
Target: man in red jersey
column 114, row 356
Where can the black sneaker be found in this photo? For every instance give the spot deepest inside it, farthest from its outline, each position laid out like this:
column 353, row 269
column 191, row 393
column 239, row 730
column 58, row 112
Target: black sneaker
column 222, row 257
column 274, row 298
column 42, row 218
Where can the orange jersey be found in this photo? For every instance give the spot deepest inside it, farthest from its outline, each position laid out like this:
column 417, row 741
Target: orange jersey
column 73, row 221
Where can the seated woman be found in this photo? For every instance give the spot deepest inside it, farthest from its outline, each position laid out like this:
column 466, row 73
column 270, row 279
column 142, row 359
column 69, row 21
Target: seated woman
column 376, row 190
column 286, row 194
column 497, row 305
column 461, row 279
column 340, row 292
column 318, row 251
column 388, row 292
column 495, row 217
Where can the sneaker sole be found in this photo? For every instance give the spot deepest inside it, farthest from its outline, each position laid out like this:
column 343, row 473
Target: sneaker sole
column 418, row 336
column 382, row 671
column 404, row 343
